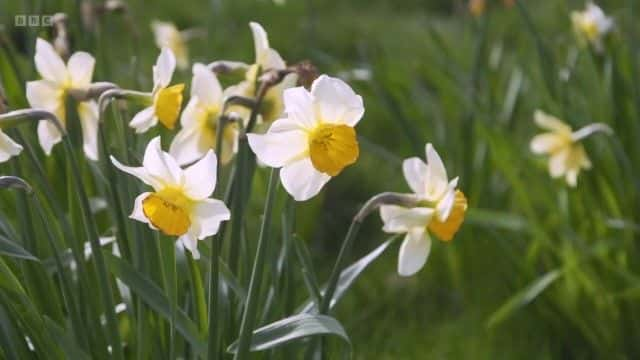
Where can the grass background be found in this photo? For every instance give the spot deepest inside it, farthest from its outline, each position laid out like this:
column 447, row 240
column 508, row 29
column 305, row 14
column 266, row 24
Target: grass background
column 470, row 86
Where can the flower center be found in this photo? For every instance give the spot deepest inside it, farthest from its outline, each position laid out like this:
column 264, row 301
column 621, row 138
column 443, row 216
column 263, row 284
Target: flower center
column 168, row 210
column 333, row 147
column 168, row 103
column 447, row 229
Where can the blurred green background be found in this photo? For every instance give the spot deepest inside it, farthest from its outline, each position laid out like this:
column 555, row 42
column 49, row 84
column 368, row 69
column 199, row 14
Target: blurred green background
column 538, row 270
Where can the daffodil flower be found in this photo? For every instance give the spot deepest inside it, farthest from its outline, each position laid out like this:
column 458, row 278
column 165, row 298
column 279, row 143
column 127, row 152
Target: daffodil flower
column 180, row 203
column 591, row 25
column 316, row 139
column 167, row 35
column 266, row 59
column 566, row 153
column 52, row 91
column 165, row 100
column 199, row 121
column 441, row 211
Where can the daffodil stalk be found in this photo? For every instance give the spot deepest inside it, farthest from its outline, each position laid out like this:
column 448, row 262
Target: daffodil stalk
column 89, row 224
column 249, row 314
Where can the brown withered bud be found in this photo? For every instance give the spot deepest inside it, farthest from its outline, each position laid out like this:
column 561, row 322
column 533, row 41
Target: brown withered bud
column 60, row 34
column 307, row 72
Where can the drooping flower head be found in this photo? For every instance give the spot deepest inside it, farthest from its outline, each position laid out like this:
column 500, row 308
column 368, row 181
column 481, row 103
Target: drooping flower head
column 591, row 25
column 180, row 203
column 441, row 211
column 167, row 35
column 266, row 58
column 52, row 92
column 199, row 121
column 316, row 140
column 563, row 146
column 166, row 100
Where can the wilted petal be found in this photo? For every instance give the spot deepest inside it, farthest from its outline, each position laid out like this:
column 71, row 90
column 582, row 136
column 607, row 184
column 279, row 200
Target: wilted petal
column 301, row 180
column 414, row 252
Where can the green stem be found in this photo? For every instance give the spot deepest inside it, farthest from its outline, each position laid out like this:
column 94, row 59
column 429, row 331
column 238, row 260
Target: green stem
column 249, row 314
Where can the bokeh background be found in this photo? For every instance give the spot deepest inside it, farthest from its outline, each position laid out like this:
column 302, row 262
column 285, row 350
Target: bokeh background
column 538, row 270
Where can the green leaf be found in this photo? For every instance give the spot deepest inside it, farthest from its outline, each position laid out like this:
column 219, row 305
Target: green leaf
column 12, row 249
column 153, row 296
column 66, row 341
column 523, row 298
column 292, row 328
column 349, row 275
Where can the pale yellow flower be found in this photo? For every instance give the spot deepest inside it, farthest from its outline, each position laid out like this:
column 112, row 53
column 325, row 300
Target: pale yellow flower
column 167, row 35
column 591, row 25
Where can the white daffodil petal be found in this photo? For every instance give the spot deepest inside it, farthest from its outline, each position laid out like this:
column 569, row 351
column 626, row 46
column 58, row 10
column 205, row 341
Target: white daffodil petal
column 558, row 163
column 139, row 172
column 572, row 177
column 399, row 219
column 190, row 144
column 298, row 105
column 271, row 59
column 276, row 149
column 301, row 180
column 436, row 176
column 49, row 64
column 445, row 205
column 546, row 143
column 205, row 86
column 549, row 122
column 415, row 171
column 190, row 242
column 144, row 120
column 80, row 67
column 138, row 213
column 337, row 102
column 414, row 252
column 210, row 212
column 164, row 68
column 48, row 135
column 88, row 114
column 8, row 147
column 161, row 165
column 45, row 95
column 200, row 178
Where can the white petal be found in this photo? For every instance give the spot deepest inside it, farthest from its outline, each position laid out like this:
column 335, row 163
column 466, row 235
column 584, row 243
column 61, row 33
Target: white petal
column 139, row 172
column 415, row 172
column 301, row 180
column 336, row 101
column 48, row 135
column 189, row 145
column 546, row 143
column 398, row 219
column 49, row 64
column 572, row 177
column 210, row 213
column 436, row 176
column 163, row 69
column 260, row 39
column 144, row 120
column 414, row 252
column 80, row 68
column 558, row 163
column 138, row 213
column 550, row 122
column 277, row 148
column 265, row 56
column 271, row 59
column 161, row 166
column 190, row 242
column 88, row 113
column 200, row 178
column 298, row 105
column 445, row 205
column 205, row 86
column 44, row 95
column 8, row 147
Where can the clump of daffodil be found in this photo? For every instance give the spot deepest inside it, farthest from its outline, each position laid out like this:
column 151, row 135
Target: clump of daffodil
column 199, row 121
column 591, row 25
column 165, row 101
column 167, row 35
column 266, row 59
column 316, row 140
column 52, row 92
column 440, row 211
column 563, row 146
column 180, row 203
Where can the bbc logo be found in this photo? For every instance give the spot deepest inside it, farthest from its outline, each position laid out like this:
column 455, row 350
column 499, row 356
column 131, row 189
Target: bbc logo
column 32, row 20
